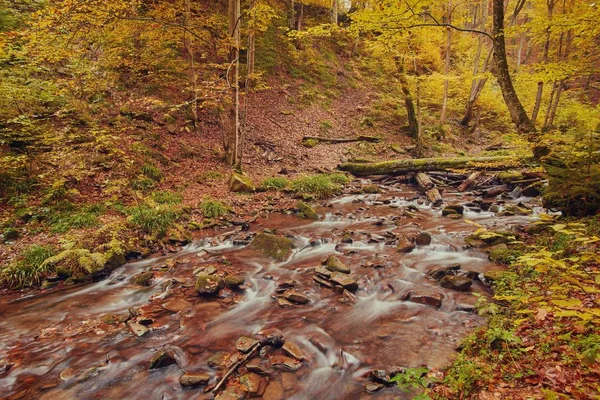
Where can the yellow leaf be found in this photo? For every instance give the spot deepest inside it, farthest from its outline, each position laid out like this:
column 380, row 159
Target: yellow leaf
column 570, row 303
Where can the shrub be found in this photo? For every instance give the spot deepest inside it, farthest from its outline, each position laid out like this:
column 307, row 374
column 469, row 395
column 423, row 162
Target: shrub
column 167, row 197
column 152, row 172
column 153, row 220
column 213, row 209
column 319, row 186
column 276, row 182
column 28, row 269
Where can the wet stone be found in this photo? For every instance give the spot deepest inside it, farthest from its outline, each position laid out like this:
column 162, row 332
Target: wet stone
column 251, row 382
column 458, row 208
column 380, row 375
column 455, row 216
column 292, row 350
column 234, row 281
column 284, row 303
column 458, row 282
column 162, row 359
column 405, row 245
column 346, row 281
column 218, row 359
column 194, row 380
column 286, row 284
column 176, row 305
column 143, row 278
column 245, row 344
column 207, row 285
column 323, row 272
column 334, row 264
column 423, row 239
column 258, row 367
column 285, row 363
column 438, row 274
column 449, row 211
column 296, row 297
column 434, row 300
column 274, row 391
column 322, row 281
column 231, row 393
column 372, row 387
column 137, row 329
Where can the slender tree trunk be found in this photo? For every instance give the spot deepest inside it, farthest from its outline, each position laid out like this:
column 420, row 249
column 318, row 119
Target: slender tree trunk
column 334, row 12
column 300, row 17
column 540, row 84
column 188, row 41
column 517, row 112
column 232, row 140
column 413, row 122
column 292, row 15
column 446, row 66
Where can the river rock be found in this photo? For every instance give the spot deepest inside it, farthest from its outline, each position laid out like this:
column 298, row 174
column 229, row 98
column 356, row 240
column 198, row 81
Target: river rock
column 285, row 363
column 245, row 344
column 423, row 239
column 284, row 303
column 207, row 285
column 257, row 366
column 458, row 282
column 162, row 359
column 533, row 190
column 274, row 391
column 231, row 393
column 438, row 274
column 380, row 375
column 322, row 281
column 292, row 350
column 176, row 305
column 252, row 383
column 218, row 359
column 323, row 272
column 458, row 208
column 276, row 247
column 234, row 281
column 194, row 380
column 346, row 281
column 143, row 278
column 334, row 264
column 434, row 300
column 372, row 387
column 449, row 211
column 306, row 211
column 239, row 182
column 371, row 189
column 137, row 329
column 405, row 245
column 295, row 297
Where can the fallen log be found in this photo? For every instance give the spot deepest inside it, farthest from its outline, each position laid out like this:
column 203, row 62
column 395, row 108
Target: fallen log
column 467, row 183
column 495, row 191
column 426, row 185
column 360, row 138
column 398, row 167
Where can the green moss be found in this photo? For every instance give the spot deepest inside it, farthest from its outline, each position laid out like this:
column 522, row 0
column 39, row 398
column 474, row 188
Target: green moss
column 153, row 220
column 310, row 143
column 276, row 183
column 509, row 176
column 505, row 256
column 152, row 172
column 213, row 209
column 306, row 211
column 276, row 247
column 167, row 197
column 318, row 186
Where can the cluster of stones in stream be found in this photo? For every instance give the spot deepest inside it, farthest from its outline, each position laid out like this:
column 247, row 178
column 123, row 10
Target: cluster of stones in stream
column 251, row 370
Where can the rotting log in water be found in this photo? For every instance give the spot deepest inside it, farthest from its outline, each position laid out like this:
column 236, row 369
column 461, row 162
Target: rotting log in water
column 360, row 138
column 428, row 187
column 467, row 183
column 398, row 167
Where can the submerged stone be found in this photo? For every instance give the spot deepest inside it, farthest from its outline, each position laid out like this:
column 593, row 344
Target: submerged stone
column 434, row 300
column 245, row 344
column 176, row 305
column 251, row 382
column 348, row 282
column 137, row 329
column 234, row 281
column 292, row 350
column 143, row 278
column 285, row 363
column 372, row 387
column 218, row 359
column 296, row 297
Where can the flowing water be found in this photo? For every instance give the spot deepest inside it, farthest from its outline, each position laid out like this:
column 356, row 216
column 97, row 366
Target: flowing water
column 69, row 343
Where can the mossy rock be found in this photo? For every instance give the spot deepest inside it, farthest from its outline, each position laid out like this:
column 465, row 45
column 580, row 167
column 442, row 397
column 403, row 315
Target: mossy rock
column 509, row 176
column 276, row 247
column 516, row 210
column 334, row 264
column 234, row 281
column 310, row 143
column 449, row 211
column 306, row 211
column 143, row 278
column 371, row 189
column 239, row 182
column 505, row 256
column 208, row 285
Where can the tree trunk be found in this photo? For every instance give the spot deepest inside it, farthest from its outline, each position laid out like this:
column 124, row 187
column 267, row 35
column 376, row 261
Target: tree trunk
column 399, row 167
column 232, row 141
column 446, row 71
column 517, row 113
column 413, row 123
column 292, row 15
column 188, row 42
column 540, row 85
column 467, row 183
column 300, row 16
column 427, row 186
column 334, row 12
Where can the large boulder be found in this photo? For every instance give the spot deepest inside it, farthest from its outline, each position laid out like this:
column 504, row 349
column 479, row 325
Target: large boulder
column 240, row 182
column 276, row 247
